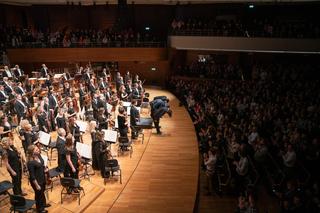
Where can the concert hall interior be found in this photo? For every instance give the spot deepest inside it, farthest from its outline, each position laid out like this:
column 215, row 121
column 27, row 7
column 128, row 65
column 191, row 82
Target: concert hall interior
column 159, row 106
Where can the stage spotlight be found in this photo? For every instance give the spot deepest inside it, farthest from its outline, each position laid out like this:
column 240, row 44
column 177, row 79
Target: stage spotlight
column 147, row 28
column 251, row 6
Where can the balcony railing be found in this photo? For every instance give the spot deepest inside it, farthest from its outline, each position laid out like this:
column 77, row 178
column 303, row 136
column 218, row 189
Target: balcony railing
column 116, row 44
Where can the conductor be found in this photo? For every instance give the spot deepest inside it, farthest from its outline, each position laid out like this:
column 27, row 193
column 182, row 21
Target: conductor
column 159, row 107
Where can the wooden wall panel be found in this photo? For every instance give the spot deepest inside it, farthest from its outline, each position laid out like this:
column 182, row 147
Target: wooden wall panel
column 86, row 54
column 143, row 69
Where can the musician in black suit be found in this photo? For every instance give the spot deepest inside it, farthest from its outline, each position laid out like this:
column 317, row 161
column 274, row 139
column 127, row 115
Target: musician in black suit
column 140, row 88
column 42, row 117
column 105, row 80
column 3, row 96
column 119, row 81
column 134, row 118
column 103, row 74
column 47, row 83
column 135, row 92
column 53, row 106
column 95, row 106
column 61, row 141
column 37, row 177
column 127, row 77
column 128, row 87
column 18, row 72
column 136, row 79
column 82, row 93
column 107, row 94
column 7, row 73
column 46, row 104
column 20, row 108
column 53, row 102
column 19, row 89
column 92, row 87
column 86, row 76
column 7, row 86
column 44, row 71
column 66, row 76
column 102, row 84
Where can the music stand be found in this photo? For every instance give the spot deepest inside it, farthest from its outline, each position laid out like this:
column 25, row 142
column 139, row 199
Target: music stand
column 84, row 151
column 110, row 135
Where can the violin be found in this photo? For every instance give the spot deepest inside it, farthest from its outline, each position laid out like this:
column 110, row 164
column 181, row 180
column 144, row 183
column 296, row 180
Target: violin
column 80, row 164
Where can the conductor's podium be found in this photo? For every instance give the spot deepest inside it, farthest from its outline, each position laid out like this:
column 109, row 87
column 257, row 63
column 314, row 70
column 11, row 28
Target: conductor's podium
column 145, row 123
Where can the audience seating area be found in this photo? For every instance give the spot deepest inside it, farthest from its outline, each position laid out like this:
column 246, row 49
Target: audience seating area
column 272, row 119
column 17, row 37
column 256, row 27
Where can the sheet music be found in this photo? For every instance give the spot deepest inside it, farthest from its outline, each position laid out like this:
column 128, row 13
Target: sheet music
column 82, row 125
column 109, row 108
column 82, row 114
column 116, row 124
column 126, row 104
column 84, row 150
column 45, row 160
column 44, row 138
column 110, row 135
column 57, row 75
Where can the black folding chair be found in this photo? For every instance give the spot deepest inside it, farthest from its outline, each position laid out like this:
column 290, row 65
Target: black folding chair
column 4, row 187
column 125, row 145
column 68, row 187
column 20, row 204
column 112, row 167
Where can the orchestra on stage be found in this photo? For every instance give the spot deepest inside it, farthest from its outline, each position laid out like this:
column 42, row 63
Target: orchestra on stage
column 34, row 106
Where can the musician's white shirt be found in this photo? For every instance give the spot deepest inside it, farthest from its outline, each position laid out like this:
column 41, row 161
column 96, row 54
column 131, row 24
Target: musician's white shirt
column 9, row 73
column 21, row 89
column 54, row 98
column 24, row 106
column 9, row 85
column 4, row 94
column 19, row 72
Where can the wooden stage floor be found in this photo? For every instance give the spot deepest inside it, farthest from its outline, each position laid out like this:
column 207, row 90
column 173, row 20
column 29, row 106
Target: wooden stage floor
column 161, row 176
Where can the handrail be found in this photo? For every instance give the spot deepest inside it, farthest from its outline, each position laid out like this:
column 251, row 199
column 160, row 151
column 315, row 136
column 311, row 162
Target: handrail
column 240, row 33
column 120, row 44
